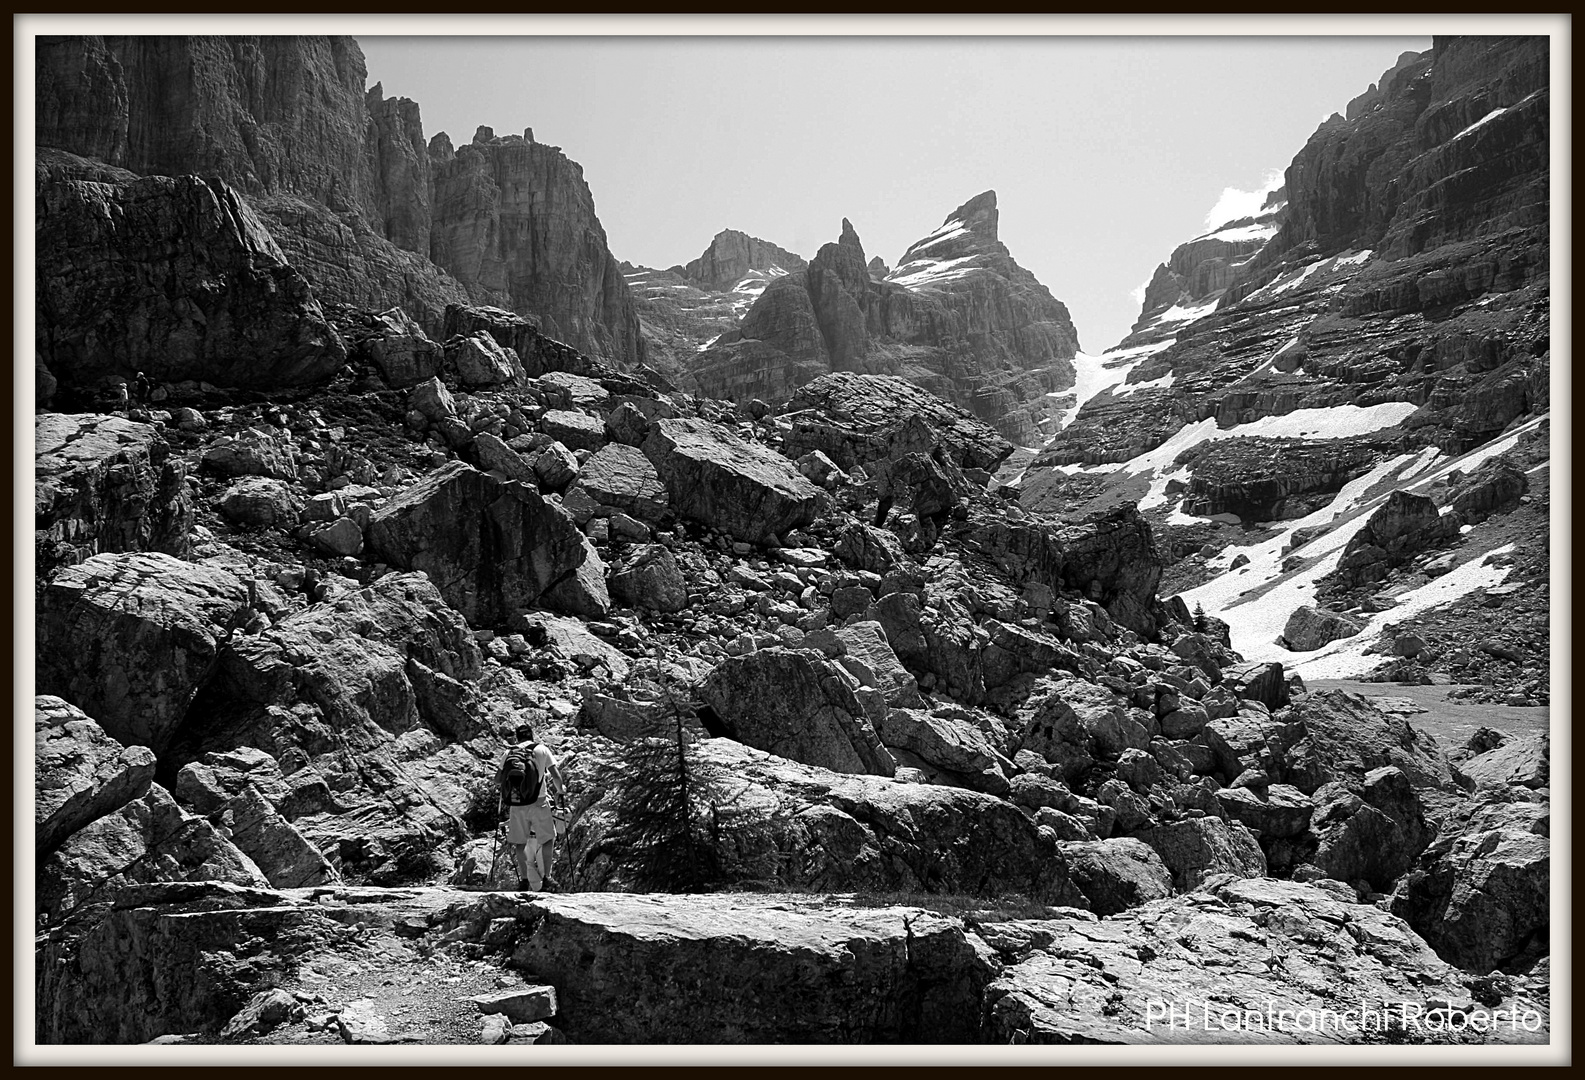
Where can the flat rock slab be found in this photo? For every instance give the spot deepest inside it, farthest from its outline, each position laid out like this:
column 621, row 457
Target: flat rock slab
column 741, row 487
column 522, row 1005
column 359, row 1023
column 1203, row 968
column 724, row 968
column 753, row 970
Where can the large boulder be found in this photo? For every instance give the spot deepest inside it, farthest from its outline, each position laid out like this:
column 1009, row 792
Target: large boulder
column 1117, row 874
column 492, row 548
column 176, row 277
column 1403, row 526
column 102, row 484
column 1073, row 723
column 261, row 502
column 1373, row 834
column 1252, row 961
column 1525, row 760
column 1258, row 681
column 1197, row 848
column 855, row 419
column 1338, row 735
column 1310, row 627
column 1112, row 558
column 796, row 706
column 868, row 656
column 80, row 773
column 253, row 452
column 951, row 744
column 129, row 639
column 806, row 829
column 717, row 478
column 1482, row 896
column 649, row 578
column 480, row 361
column 574, row 429
column 399, row 348
column 1494, row 488
column 745, row 968
column 245, row 790
column 1277, row 810
column 148, row 839
column 622, row 477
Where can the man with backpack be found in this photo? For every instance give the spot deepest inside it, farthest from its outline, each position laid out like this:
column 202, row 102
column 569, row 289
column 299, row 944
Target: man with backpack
column 526, row 779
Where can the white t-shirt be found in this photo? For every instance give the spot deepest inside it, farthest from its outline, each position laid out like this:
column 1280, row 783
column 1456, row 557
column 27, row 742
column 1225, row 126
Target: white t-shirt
column 544, row 763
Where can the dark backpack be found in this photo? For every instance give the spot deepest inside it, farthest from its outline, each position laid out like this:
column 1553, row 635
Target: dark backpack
column 520, row 777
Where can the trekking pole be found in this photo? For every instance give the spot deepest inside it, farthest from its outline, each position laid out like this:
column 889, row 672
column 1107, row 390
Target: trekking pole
column 495, row 850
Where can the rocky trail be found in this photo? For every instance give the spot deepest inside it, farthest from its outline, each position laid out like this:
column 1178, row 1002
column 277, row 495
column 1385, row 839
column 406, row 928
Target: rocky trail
column 1221, row 715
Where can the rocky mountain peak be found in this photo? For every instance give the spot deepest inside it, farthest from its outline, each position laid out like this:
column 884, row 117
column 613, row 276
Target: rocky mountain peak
column 734, row 255
column 978, row 215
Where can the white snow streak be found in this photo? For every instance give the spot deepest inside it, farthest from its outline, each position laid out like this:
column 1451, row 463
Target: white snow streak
column 1488, row 117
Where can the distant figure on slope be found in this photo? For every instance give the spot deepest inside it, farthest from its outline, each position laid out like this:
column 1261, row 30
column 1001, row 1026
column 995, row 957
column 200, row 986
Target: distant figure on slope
column 525, row 779
column 313, row 588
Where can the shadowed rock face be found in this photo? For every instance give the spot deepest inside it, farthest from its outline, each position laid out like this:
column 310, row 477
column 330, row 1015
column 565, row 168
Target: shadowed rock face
column 174, row 277
column 266, row 114
column 958, row 316
column 346, row 178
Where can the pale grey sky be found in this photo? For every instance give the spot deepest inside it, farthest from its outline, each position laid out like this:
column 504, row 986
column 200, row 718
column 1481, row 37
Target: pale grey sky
column 1105, row 152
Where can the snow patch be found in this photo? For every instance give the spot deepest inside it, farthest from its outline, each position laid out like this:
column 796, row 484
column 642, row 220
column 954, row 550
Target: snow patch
column 1126, row 389
column 1177, row 313
column 1157, row 495
column 917, row 272
column 1138, row 351
column 1485, row 119
column 1346, row 658
column 1243, row 232
column 1094, row 375
column 1336, row 422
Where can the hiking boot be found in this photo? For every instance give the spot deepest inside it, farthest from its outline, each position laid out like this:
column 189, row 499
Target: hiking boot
column 523, row 885
column 550, row 886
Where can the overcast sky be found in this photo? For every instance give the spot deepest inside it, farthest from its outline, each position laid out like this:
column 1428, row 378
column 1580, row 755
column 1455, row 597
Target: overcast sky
column 1105, row 152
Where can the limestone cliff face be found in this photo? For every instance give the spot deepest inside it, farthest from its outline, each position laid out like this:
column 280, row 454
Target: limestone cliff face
column 1410, row 265
column 398, row 159
column 515, row 218
column 265, row 114
column 345, row 177
column 958, row 316
column 1453, row 145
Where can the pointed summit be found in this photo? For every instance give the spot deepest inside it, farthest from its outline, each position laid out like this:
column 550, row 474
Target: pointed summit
column 978, row 215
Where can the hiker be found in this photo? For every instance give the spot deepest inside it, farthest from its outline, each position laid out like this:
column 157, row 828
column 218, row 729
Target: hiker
column 527, row 778
column 313, row 588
